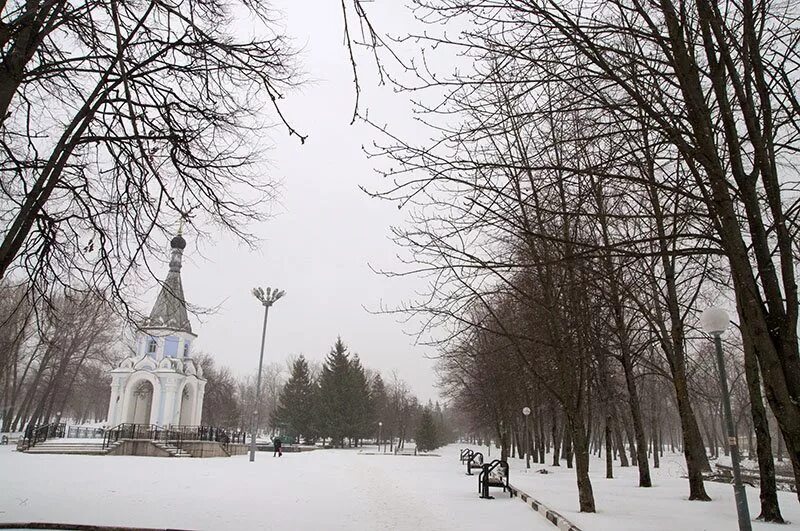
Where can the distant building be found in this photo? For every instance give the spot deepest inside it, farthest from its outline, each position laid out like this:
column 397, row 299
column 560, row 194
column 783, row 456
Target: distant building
column 161, row 384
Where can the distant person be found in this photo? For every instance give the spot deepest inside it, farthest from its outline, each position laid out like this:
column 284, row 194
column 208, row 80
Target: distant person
column 277, row 444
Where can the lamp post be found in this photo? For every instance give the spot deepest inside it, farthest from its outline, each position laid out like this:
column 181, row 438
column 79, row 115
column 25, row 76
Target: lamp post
column 714, row 322
column 380, row 426
column 267, row 299
column 527, row 411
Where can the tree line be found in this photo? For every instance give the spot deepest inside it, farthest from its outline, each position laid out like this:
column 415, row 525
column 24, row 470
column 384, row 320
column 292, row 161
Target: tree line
column 595, row 176
column 54, row 368
column 345, row 402
column 56, row 354
column 119, row 121
column 54, row 358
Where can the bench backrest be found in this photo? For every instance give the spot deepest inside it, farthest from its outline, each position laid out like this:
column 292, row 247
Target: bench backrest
column 498, row 467
column 503, row 469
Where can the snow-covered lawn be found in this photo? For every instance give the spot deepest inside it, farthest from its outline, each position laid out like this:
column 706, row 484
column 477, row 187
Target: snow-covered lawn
column 623, row 506
column 320, row 490
column 342, row 489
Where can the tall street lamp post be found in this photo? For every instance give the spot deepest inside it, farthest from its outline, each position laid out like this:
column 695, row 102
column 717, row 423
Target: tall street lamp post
column 527, row 411
column 714, row 322
column 380, row 427
column 267, row 299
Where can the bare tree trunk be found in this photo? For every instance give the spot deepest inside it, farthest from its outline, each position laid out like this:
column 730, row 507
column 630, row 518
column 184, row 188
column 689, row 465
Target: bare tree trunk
column 503, row 436
column 578, row 437
column 542, row 441
column 719, row 432
column 655, row 446
column 638, row 428
column 556, row 441
column 566, row 447
column 609, row 455
column 623, row 456
column 770, row 508
column 631, row 445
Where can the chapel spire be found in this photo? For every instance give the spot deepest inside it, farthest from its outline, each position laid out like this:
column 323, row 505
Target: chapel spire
column 169, row 311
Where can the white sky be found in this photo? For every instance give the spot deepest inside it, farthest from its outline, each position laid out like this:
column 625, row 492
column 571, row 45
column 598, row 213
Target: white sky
column 325, row 233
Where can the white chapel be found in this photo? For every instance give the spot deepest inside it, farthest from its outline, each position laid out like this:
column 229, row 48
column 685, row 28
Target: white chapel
column 160, row 384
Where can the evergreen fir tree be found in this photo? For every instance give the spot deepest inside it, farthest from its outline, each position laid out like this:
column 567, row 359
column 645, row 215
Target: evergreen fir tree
column 334, row 411
column 359, row 399
column 294, row 414
column 426, row 432
column 379, row 399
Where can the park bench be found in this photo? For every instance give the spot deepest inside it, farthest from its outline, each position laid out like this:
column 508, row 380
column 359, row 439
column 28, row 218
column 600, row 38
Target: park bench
column 724, row 474
column 4, row 439
column 494, row 474
column 405, row 451
column 466, row 453
column 475, row 461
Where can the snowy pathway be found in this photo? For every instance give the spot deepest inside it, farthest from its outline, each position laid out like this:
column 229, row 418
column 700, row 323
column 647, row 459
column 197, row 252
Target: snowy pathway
column 321, row 490
column 623, row 506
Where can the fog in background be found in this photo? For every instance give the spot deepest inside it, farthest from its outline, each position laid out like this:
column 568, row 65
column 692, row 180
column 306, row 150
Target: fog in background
column 325, row 232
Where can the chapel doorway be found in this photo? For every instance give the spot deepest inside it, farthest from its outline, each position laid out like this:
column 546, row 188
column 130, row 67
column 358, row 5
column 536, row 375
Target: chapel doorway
column 187, row 406
column 142, row 403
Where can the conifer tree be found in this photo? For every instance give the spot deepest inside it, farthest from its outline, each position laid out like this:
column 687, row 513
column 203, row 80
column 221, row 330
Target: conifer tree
column 379, row 402
column 294, row 414
column 426, row 432
column 334, row 394
column 344, row 407
column 359, row 399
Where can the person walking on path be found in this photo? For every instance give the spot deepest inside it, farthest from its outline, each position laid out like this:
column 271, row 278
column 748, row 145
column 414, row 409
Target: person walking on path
column 277, row 444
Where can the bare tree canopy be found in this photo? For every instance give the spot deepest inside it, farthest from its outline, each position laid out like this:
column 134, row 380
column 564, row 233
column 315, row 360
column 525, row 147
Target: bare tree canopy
column 625, row 160
column 121, row 118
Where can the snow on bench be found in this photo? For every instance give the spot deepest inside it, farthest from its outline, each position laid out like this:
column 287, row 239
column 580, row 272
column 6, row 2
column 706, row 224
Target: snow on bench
column 494, row 474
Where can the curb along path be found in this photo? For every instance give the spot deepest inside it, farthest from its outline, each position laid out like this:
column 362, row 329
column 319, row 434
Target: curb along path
column 556, row 519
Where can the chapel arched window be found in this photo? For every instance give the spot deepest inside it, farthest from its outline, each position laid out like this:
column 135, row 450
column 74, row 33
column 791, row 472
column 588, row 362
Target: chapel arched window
column 151, row 347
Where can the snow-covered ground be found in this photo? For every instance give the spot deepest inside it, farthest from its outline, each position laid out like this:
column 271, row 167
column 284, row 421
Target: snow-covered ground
column 345, row 489
column 623, row 506
column 319, row 490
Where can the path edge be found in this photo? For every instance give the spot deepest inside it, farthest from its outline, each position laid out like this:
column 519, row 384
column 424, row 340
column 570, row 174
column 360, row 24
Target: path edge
column 552, row 516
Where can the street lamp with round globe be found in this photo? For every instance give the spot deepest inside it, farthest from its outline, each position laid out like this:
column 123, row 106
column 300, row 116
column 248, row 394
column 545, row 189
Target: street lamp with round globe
column 714, row 322
column 527, row 411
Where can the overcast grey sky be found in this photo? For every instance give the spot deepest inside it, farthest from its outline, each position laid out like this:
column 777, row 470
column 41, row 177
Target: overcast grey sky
column 325, row 232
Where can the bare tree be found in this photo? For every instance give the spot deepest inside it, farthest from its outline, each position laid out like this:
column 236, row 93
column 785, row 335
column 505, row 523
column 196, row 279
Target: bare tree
column 75, row 337
column 121, row 118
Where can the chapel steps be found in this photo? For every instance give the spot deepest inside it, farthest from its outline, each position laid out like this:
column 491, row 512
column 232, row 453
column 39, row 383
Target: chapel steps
column 172, row 450
column 56, row 446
